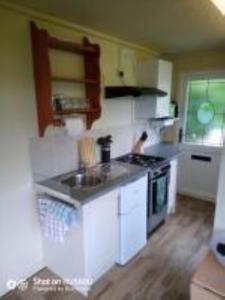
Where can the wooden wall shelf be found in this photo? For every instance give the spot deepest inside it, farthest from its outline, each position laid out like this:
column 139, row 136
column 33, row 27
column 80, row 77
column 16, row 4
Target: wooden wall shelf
column 57, row 44
column 75, row 80
column 70, row 111
column 42, row 42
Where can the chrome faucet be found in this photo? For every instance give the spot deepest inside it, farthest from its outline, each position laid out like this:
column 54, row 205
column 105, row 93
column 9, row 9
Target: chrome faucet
column 83, row 167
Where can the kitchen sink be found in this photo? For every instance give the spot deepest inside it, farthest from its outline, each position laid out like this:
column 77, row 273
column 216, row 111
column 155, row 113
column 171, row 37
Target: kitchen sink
column 92, row 177
column 83, row 180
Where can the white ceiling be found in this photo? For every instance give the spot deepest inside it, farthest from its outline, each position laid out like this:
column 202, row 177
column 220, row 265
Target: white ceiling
column 172, row 26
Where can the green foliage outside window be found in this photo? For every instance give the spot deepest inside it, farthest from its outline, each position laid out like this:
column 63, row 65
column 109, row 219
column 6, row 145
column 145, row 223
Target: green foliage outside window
column 205, row 117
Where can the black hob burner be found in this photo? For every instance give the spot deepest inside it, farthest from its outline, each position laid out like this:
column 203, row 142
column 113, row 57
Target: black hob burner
column 140, row 159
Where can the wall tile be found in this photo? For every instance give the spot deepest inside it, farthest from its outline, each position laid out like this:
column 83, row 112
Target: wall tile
column 59, row 154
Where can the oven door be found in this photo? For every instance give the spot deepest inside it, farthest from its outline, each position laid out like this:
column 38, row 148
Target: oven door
column 158, row 197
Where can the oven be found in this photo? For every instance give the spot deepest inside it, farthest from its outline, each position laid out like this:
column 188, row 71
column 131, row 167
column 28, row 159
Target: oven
column 158, row 190
column 158, row 186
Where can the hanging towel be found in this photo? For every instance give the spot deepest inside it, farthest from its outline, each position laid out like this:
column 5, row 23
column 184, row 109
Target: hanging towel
column 56, row 218
column 160, row 195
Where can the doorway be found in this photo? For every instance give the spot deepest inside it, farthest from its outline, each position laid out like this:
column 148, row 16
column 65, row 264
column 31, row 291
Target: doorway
column 202, row 133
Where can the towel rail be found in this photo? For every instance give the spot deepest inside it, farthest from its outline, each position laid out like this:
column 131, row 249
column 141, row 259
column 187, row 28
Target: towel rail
column 55, row 194
column 45, row 195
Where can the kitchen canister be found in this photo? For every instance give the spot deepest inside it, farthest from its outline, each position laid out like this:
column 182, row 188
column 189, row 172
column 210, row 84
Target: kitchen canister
column 218, row 246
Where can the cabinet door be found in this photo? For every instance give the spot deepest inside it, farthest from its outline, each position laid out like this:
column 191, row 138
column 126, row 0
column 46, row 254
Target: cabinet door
column 133, row 219
column 100, row 219
column 132, row 195
column 154, row 73
column 133, row 234
column 173, row 187
column 147, row 73
column 164, row 84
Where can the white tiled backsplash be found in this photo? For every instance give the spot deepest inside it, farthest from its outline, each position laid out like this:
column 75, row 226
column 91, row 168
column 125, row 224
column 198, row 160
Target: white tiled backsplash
column 58, row 154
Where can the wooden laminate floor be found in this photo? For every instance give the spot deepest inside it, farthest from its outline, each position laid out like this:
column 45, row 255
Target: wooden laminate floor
column 162, row 270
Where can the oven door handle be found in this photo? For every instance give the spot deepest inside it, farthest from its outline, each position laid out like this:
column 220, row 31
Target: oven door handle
column 164, row 174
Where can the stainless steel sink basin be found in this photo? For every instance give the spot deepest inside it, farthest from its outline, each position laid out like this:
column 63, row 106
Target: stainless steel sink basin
column 83, row 180
column 92, row 177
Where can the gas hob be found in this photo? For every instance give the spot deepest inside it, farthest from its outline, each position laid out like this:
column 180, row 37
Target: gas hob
column 140, row 159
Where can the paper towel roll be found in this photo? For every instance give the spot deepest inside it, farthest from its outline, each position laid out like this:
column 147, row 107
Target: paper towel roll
column 52, row 130
column 218, row 238
column 74, row 126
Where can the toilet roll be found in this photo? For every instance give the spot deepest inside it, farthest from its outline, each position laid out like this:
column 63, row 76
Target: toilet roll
column 52, row 130
column 74, row 126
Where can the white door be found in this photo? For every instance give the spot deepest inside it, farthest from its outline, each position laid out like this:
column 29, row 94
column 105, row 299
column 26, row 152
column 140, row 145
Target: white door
column 132, row 219
column 203, row 115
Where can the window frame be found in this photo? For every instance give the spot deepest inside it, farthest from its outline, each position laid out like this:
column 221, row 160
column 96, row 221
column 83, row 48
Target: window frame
column 185, row 77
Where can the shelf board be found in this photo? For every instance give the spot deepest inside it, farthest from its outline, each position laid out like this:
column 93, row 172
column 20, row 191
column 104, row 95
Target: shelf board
column 57, row 44
column 74, row 80
column 70, row 111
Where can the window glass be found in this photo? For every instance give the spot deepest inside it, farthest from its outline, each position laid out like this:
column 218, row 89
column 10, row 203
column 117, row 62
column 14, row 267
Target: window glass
column 205, row 115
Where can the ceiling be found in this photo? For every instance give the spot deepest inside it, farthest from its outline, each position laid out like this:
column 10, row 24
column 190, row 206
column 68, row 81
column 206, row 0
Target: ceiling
column 171, row 26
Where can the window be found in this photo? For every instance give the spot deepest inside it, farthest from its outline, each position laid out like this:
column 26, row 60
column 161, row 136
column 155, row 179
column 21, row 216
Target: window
column 205, row 112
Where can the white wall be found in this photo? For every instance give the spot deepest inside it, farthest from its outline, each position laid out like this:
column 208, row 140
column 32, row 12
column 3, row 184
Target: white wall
column 47, row 152
column 219, row 222
column 20, row 240
column 20, row 237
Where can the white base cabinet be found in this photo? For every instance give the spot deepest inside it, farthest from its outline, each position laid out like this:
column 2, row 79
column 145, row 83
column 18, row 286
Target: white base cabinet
column 100, row 234
column 108, row 230
column 132, row 219
column 90, row 249
column 172, row 198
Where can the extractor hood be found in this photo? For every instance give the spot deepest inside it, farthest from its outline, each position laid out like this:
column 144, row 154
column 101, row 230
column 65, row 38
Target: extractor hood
column 125, row 91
